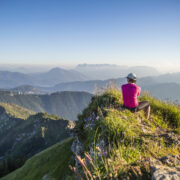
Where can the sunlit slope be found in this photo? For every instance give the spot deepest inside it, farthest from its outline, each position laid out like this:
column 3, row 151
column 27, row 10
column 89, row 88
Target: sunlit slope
column 11, row 115
column 16, row 111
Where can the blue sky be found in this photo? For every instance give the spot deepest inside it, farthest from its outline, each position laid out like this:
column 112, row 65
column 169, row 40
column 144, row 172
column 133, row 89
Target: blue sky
column 125, row 32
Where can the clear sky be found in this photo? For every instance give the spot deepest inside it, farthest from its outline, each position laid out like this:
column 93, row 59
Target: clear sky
column 125, row 32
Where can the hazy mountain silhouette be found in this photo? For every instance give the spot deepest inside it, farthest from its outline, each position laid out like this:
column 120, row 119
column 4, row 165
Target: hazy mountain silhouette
column 80, row 73
column 12, row 79
column 170, row 77
column 165, row 91
column 151, row 84
column 57, row 75
column 108, row 71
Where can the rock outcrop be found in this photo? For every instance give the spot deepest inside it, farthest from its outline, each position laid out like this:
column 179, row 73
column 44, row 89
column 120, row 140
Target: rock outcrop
column 167, row 168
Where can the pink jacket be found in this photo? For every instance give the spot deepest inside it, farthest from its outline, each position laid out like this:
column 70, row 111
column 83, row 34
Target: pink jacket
column 130, row 93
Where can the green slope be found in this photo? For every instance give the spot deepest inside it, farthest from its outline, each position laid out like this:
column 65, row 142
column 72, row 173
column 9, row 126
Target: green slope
column 51, row 163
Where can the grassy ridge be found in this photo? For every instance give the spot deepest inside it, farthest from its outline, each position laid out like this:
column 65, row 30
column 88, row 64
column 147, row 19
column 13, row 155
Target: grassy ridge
column 51, row 163
column 121, row 140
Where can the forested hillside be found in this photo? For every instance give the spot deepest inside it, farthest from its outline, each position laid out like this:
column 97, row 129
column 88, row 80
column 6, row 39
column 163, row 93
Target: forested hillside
column 65, row 104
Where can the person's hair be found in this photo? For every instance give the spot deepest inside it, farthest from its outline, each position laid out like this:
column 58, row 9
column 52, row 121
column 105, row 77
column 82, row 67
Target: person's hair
column 131, row 80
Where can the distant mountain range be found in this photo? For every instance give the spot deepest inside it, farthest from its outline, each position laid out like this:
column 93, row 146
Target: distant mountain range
column 13, row 79
column 87, row 86
column 57, row 75
column 80, row 79
column 155, row 85
column 169, row 78
column 86, row 72
column 165, row 91
column 22, row 138
column 65, row 104
column 108, row 71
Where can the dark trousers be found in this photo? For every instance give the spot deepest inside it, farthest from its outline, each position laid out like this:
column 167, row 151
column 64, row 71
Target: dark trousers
column 142, row 105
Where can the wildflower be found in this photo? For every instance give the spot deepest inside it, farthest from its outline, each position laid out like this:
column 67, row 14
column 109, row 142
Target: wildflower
column 121, row 141
column 97, row 118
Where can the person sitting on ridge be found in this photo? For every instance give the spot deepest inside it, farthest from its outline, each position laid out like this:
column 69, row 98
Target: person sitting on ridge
column 130, row 92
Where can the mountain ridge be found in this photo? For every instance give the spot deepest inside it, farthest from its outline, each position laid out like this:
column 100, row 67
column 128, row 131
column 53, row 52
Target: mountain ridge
column 150, row 84
column 108, row 71
column 65, row 104
column 10, row 79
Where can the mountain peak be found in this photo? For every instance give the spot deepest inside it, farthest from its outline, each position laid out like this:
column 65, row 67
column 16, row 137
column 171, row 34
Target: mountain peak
column 57, row 69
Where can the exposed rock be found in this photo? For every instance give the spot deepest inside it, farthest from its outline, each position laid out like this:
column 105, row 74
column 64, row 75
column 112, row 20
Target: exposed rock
column 101, row 149
column 166, row 173
column 174, row 138
column 46, row 177
column 171, row 160
column 161, row 171
column 77, row 149
column 70, row 125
